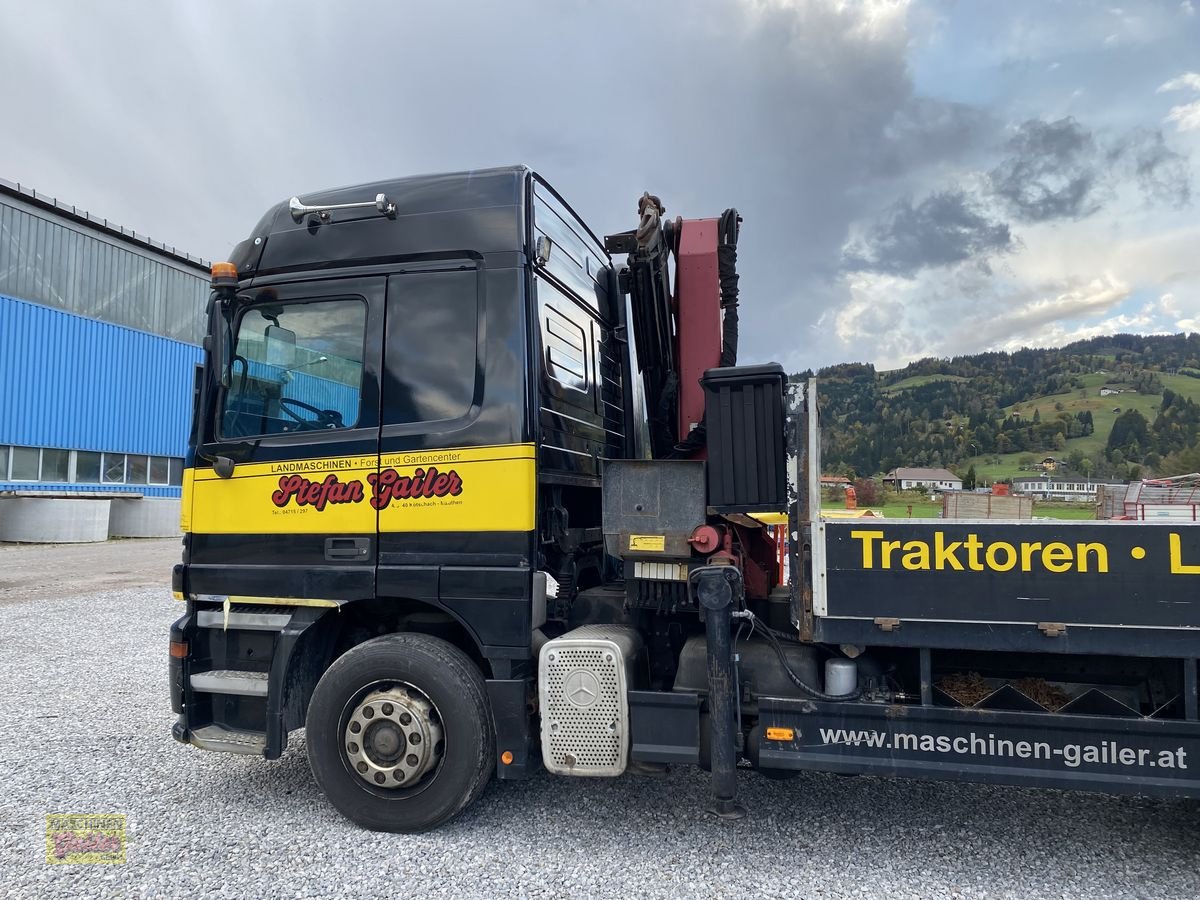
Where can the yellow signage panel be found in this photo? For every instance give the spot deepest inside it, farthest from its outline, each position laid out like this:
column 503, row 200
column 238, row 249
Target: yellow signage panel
column 469, row 489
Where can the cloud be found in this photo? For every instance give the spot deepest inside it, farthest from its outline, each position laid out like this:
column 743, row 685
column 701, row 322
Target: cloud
column 1025, row 319
column 1063, row 286
column 943, row 229
column 927, row 132
column 1147, row 319
column 784, row 110
column 1162, row 174
column 816, row 118
column 1186, row 116
column 1051, row 172
column 1054, row 170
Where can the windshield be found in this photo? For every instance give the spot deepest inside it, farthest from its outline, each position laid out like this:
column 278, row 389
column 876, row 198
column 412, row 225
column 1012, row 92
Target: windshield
column 295, row 367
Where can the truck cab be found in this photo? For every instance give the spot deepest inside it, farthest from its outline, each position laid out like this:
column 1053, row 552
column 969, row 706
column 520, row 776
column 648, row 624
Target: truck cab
column 410, row 390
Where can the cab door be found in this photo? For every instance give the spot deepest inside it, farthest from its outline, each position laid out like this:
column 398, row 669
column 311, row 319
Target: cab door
column 298, row 415
column 457, row 478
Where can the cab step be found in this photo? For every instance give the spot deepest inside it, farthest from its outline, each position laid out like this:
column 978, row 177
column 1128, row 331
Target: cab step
column 217, row 737
column 231, row 682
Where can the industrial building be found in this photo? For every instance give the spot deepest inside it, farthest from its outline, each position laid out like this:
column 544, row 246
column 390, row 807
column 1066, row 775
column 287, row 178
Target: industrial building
column 99, row 334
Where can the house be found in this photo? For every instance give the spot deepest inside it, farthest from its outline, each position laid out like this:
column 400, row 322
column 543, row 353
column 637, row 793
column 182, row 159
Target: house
column 834, row 481
column 1081, row 489
column 1108, row 392
column 1049, row 464
column 932, row 479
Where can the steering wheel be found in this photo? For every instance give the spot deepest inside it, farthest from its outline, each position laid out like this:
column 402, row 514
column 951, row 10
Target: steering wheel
column 326, row 418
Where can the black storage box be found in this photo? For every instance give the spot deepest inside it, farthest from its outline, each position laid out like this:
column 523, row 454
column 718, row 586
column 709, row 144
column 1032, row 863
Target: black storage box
column 747, row 463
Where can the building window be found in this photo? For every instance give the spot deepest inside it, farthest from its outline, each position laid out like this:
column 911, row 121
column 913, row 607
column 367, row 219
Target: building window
column 26, row 463
column 87, row 467
column 53, row 466
column 56, row 465
column 137, row 469
column 159, row 470
column 114, row 468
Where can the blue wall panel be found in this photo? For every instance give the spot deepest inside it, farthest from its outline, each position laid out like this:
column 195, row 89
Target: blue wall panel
column 79, row 384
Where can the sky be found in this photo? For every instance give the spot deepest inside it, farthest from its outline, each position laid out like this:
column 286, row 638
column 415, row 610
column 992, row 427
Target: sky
column 923, row 178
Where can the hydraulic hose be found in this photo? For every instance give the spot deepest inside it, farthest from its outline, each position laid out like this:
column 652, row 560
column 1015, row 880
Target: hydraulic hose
column 805, row 688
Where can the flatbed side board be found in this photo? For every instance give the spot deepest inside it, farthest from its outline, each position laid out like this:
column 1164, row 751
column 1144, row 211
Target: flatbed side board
column 1136, row 755
column 1091, row 574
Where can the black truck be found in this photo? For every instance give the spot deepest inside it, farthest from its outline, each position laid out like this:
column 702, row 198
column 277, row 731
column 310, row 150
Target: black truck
column 466, row 497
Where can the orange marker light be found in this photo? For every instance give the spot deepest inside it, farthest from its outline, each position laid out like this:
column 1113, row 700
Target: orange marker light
column 224, row 273
column 780, row 734
column 179, row 649
column 506, row 757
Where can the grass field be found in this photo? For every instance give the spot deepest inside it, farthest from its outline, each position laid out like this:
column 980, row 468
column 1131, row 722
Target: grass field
column 917, row 381
column 1103, row 411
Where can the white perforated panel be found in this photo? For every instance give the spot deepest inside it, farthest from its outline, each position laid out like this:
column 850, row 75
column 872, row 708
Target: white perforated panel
column 585, row 715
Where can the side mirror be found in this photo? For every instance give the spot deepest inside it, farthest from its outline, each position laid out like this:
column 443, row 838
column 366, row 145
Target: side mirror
column 280, row 346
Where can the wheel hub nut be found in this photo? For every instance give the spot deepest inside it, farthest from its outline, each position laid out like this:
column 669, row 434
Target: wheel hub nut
column 393, row 737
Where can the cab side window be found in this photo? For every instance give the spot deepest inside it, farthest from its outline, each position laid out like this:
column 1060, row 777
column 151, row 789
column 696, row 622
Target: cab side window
column 296, row 367
column 431, row 348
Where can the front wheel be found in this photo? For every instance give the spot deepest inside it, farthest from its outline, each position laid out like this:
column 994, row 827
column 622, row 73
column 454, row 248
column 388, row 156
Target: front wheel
column 399, row 733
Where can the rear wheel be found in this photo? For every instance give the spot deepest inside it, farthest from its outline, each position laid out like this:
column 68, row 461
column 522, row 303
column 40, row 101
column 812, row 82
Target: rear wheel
column 399, row 733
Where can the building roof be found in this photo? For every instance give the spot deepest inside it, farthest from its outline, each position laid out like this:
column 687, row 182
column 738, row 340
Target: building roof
column 83, row 217
column 834, row 479
column 922, row 475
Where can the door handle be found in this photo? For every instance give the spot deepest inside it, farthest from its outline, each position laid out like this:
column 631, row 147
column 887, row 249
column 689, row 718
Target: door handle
column 347, row 548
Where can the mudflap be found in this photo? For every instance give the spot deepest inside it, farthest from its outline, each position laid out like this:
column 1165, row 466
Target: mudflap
column 510, row 717
column 1159, row 757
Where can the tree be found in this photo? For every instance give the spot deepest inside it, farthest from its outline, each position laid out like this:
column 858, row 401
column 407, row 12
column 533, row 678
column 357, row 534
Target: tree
column 1060, row 441
column 969, row 479
column 1037, row 416
column 1130, row 433
column 1181, row 462
column 867, row 491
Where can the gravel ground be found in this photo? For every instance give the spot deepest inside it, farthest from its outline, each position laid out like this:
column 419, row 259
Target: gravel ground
column 84, row 728
column 33, row 571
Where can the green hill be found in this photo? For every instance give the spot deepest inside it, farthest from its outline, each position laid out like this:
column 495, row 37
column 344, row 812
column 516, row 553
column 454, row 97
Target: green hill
column 996, row 411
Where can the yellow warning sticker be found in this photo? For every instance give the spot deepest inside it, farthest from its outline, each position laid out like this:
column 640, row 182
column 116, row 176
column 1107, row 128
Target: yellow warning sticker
column 650, row 543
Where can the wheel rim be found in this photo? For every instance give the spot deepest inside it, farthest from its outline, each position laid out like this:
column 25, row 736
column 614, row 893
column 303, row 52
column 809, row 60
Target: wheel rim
column 393, row 738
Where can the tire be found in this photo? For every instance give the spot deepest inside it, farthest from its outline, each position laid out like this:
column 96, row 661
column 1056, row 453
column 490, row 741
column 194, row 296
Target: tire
column 451, row 683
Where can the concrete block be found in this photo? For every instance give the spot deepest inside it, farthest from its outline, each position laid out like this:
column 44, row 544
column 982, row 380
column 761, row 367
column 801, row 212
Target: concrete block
column 39, row 520
column 145, row 517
